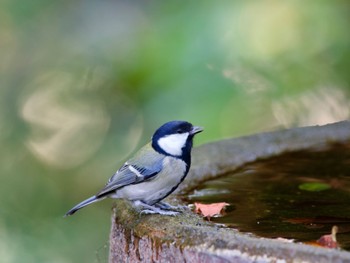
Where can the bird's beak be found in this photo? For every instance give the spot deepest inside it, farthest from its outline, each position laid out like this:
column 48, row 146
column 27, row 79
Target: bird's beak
column 196, row 129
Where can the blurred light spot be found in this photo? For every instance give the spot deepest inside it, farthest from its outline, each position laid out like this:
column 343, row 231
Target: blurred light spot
column 7, row 245
column 247, row 79
column 317, row 107
column 263, row 29
column 66, row 130
column 123, row 145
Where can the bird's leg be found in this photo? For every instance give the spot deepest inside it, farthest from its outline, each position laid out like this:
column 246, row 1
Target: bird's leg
column 166, row 206
column 150, row 209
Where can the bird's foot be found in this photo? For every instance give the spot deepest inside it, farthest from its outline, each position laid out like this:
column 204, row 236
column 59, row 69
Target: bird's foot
column 166, row 206
column 160, row 212
column 153, row 209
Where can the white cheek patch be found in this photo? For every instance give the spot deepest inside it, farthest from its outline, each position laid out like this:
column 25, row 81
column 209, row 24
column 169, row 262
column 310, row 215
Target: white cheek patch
column 173, row 144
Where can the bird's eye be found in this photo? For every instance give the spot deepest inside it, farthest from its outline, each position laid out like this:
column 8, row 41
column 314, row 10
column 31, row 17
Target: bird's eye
column 180, row 131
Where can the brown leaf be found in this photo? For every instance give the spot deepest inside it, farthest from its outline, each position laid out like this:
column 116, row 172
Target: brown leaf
column 329, row 241
column 299, row 220
column 210, row 210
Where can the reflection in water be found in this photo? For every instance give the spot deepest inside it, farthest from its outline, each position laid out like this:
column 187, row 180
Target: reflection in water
column 285, row 196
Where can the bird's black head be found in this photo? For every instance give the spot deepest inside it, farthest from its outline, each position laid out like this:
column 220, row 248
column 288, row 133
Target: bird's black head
column 175, row 138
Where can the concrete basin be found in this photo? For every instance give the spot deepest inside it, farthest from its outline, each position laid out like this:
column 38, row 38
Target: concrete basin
column 189, row 238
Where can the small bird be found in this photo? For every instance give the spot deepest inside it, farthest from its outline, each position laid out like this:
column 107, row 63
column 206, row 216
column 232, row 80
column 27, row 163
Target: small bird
column 154, row 172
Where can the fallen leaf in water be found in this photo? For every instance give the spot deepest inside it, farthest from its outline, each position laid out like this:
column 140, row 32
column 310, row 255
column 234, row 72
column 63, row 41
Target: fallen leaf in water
column 329, row 241
column 299, row 220
column 318, row 220
column 314, row 187
column 210, row 210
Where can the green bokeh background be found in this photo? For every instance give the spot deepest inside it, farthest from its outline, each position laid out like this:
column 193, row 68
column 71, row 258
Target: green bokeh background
column 85, row 83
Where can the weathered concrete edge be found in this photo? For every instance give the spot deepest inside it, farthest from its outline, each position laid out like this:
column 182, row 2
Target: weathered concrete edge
column 187, row 238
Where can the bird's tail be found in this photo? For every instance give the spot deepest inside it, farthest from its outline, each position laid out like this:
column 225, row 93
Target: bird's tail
column 86, row 202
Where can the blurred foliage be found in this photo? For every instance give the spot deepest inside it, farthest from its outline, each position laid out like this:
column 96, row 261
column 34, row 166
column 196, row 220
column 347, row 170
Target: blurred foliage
column 84, row 83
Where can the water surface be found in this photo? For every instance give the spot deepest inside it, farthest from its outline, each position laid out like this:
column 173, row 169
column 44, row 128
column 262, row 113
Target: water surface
column 298, row 195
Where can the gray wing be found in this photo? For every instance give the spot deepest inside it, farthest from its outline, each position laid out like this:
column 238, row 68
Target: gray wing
column 134, row 172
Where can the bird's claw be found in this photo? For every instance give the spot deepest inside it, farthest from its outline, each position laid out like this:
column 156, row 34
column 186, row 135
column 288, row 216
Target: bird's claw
column 166, row 206
column 162, row 209
column 159, row 211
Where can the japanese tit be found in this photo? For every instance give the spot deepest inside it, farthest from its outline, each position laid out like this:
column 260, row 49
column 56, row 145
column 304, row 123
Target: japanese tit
column 154, row 172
